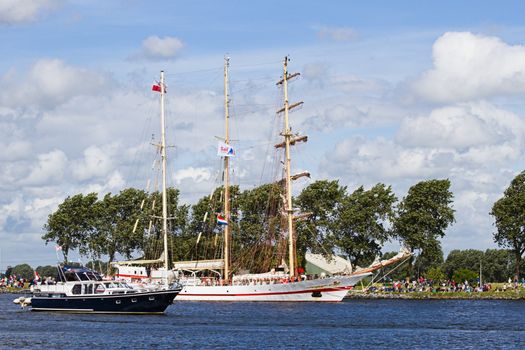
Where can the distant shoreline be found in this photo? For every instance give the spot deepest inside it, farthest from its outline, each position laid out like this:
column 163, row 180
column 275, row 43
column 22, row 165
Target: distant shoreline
column 14, row 291
column 508, row 295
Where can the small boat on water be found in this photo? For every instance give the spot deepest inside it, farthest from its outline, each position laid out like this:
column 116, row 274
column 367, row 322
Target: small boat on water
column 82, row 290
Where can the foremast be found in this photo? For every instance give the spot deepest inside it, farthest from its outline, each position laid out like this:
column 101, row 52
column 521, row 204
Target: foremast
column 289, row 140
column 226, row 174
column 164, row 171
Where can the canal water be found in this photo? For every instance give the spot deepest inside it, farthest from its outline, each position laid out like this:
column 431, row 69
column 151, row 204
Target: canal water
column 352, row 324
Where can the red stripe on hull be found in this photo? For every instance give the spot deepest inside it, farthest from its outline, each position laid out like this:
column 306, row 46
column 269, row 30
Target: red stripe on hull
column 264, row 294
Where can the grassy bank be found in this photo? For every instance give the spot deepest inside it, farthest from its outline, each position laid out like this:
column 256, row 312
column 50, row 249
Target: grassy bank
column 13, row 290
column 513, row 294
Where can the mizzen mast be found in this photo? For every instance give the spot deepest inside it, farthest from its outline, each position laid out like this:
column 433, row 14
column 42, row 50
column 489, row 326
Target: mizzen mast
column 289, row 140
column 226, row 174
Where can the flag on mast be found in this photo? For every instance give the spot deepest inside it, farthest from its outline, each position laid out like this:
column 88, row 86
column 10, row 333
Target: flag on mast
column 221, row 220
column 225, row 150
column 156, row 87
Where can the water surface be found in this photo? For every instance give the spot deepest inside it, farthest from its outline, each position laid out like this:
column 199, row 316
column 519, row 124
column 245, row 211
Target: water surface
column 357, row 324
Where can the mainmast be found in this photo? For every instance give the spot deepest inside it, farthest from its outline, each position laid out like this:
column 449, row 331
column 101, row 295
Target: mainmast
column 289, row 140
column 226, row 175
column 163, row 155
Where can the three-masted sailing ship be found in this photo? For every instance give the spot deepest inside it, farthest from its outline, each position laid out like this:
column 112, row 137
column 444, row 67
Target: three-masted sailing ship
column 283, row 283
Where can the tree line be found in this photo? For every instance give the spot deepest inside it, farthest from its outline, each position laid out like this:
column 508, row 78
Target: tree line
column 355, row 224
column 495, row 265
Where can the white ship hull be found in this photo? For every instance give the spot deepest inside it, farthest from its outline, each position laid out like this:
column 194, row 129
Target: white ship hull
column 332, row 289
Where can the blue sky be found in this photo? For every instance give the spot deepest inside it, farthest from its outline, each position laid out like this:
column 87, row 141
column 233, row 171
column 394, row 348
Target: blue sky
column 395, row 92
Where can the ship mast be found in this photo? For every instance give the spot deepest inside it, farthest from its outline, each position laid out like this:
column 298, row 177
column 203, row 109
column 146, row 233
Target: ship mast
column 289, row 139
column 163, row 155
column 226, row 175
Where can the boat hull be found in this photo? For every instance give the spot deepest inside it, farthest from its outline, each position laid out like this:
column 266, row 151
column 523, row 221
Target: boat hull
column 135, row 303
column 332, row 289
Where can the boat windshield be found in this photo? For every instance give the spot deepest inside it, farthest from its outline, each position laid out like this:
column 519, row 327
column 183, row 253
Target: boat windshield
column 115, row 284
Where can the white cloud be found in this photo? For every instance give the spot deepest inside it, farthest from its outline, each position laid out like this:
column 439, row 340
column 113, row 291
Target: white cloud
column 450, row 141
column 164, row 48
column 112, row 183
column 49, row 169
column 473, row 126
column 19, row 11
column 38, row 209
column 194, row 183
column 15, row 150
column 360, row 160
column 12, row 209
column 469, row 66
column 337, row 33
column 334, row 117
column 48, row 83
column 197, row 175
column 97, row 162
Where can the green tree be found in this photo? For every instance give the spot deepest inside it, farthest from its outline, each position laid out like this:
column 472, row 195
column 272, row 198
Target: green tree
column 8, row 271
column 362, row 221
column 317, row 233
column 463, row 275
column 498, row 265
column 203, row 223
column 430, row 258
column 509, row 215
column 115, row 217
column 257, row 245
column 97, row 265
column 23, row 271
column 424, row 215
column 463, row 259
column 47, row 271
column 71, row 223
column 152, row 244
column 436, row 274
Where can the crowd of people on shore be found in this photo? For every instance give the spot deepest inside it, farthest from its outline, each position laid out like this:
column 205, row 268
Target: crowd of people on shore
column 12, row 282
column 428, row 285
column 17, row 282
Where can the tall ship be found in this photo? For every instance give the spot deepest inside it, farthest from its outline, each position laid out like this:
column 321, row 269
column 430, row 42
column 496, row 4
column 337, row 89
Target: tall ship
column 284, row 282
column 213, row 278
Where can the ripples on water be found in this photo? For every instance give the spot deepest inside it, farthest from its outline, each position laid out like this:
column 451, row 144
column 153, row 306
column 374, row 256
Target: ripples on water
column 357, row 324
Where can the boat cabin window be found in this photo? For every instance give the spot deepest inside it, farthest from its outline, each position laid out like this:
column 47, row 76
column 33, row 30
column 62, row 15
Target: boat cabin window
column 77, row 288
column 88, row 289
column 99, row 288
column 71, row 276
column 83, row 276
column 92, row 276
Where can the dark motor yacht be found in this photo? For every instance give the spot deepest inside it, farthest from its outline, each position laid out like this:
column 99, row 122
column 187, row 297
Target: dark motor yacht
column 83, row 290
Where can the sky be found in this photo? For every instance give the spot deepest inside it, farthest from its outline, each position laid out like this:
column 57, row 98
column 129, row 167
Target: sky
column 394, row 93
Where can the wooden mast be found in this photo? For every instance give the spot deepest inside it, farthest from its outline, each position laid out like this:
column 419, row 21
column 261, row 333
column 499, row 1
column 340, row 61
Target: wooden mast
column 288, row 141
column 226, row 175
column 164, row 166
